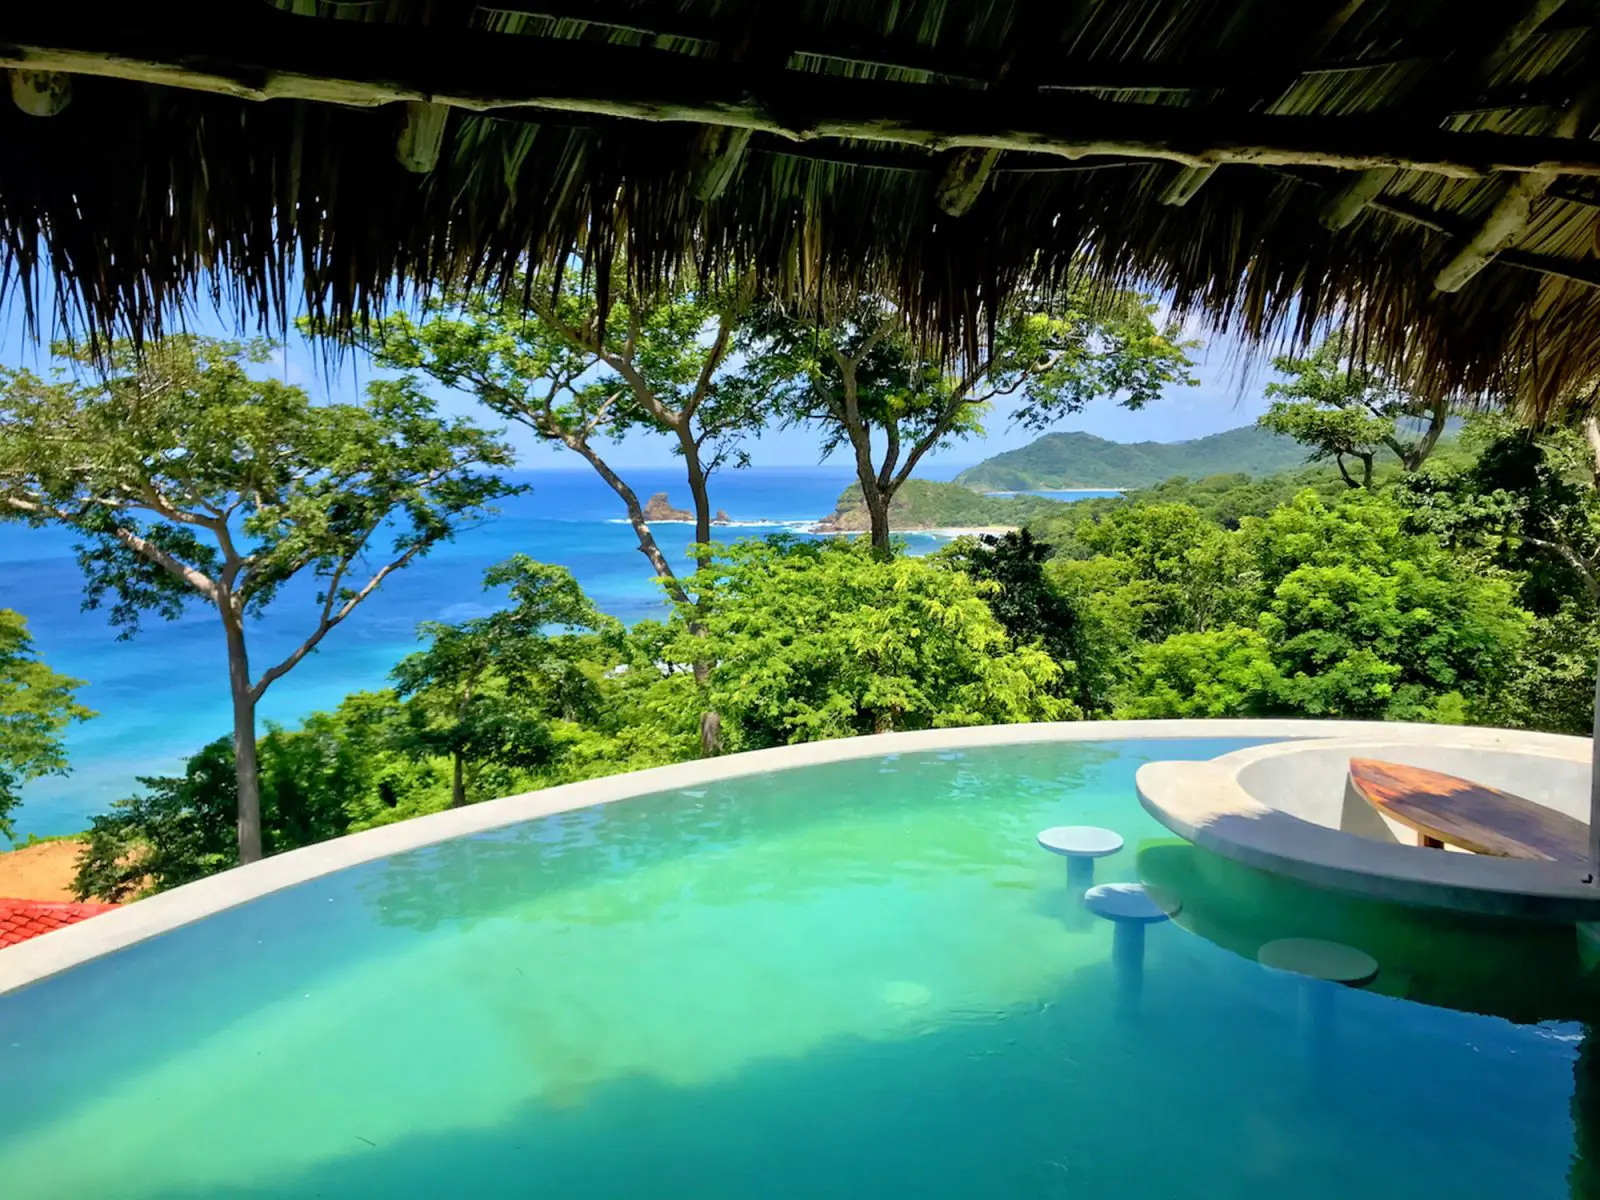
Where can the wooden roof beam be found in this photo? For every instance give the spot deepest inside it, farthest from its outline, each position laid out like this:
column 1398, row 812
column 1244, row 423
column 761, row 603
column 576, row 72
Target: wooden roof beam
column 1190, row 180
column 1511, row 212
column 271, row 57
column 1508, row 218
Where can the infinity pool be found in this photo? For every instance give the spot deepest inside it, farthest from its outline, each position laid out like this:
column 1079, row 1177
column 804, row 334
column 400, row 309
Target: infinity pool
column 859, row 979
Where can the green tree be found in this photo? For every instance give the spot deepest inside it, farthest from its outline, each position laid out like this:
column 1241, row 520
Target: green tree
column 1318, row 609
column 1136, row 574
column 377, row 781
column 581, row 376
column 1182, row 573
column 1552, row 686
column 1340, row 408
column 1527, row 500
column 818, row 640
column 860, row 377
column 484, row 690
column 36, row 706
column 191, row 480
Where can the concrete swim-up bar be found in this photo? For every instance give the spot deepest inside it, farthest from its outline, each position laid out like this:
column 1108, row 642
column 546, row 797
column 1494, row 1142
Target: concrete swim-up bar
column 1285, row 808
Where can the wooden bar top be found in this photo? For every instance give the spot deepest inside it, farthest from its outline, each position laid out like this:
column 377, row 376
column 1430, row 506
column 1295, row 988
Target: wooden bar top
column 1482, row 819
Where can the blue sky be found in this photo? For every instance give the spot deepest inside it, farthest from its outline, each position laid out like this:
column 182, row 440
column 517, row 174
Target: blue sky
column 1228, row 395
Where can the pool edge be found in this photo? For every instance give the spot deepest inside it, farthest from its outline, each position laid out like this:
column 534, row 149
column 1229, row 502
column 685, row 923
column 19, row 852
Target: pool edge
column 63, row 949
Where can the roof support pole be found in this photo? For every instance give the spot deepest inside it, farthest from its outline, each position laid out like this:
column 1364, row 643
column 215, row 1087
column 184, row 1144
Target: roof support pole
column 421, row 136
column 1346, row 204
column 718, row 153
column 41, row 93
column 1594, row 787
column 964, row 179
column 1185, row 184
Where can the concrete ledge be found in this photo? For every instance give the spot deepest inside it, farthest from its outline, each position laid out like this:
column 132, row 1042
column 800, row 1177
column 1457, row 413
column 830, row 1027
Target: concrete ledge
column 1283, row 809
column 55, row 952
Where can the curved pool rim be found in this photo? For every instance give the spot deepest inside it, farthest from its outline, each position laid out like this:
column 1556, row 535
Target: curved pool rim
column 66, row 948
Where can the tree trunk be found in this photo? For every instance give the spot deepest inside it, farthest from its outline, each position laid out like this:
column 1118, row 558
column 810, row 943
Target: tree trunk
column 1591, row 434
column 1366, row 471
column 710, row 734
column 458, row 782
column 710, row 722
column 878, row 515
column 247, row 774
column 1430, row 439
column 698, row 490
column 872, row 492
column 848, row 413
column 1349, row 479
column 641, row 527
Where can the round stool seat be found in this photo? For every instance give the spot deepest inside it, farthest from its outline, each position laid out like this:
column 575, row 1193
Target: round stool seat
column 1316, row 959
column 1080, row 841
column 1131, row 903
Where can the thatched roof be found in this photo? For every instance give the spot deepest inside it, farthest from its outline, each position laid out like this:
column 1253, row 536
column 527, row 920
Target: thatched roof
column 1422, row 170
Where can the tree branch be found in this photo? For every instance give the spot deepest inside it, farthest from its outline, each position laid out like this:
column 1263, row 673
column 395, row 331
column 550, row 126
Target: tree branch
column 714, row 357
column 146, row 549
column 1572, row 558
column 593, row 422
column 155, row 554
column 891, row 454
column 329, row 622
column 622, row 364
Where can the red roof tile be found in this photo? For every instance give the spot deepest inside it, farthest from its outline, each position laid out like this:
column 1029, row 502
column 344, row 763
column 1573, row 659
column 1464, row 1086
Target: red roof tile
column 23, row 919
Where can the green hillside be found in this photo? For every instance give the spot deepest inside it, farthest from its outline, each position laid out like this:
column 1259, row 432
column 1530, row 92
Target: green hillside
column 1081, row 460
column 923, row 504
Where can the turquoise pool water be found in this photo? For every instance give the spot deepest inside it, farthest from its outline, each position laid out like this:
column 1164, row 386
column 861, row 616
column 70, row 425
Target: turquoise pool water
column 860, row 979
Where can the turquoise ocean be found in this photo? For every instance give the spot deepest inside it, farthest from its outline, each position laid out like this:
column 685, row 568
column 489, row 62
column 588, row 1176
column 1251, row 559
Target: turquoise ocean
column 162, row 694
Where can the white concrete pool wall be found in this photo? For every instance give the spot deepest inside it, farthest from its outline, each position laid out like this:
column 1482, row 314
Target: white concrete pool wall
column 1287, row 808
column 58, row 951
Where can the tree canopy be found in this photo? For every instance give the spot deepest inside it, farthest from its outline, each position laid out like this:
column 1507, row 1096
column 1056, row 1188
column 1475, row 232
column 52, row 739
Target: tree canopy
column 879, row 395
column 482, row 691
column 1336, row 602
column 191, row 479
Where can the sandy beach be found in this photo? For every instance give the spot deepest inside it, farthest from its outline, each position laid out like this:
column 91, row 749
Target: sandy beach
column 966, row 531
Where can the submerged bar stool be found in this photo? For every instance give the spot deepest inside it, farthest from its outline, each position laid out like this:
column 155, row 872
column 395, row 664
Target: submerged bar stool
column 1080, row 845
column 1130, row 907
column 1322, row 968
